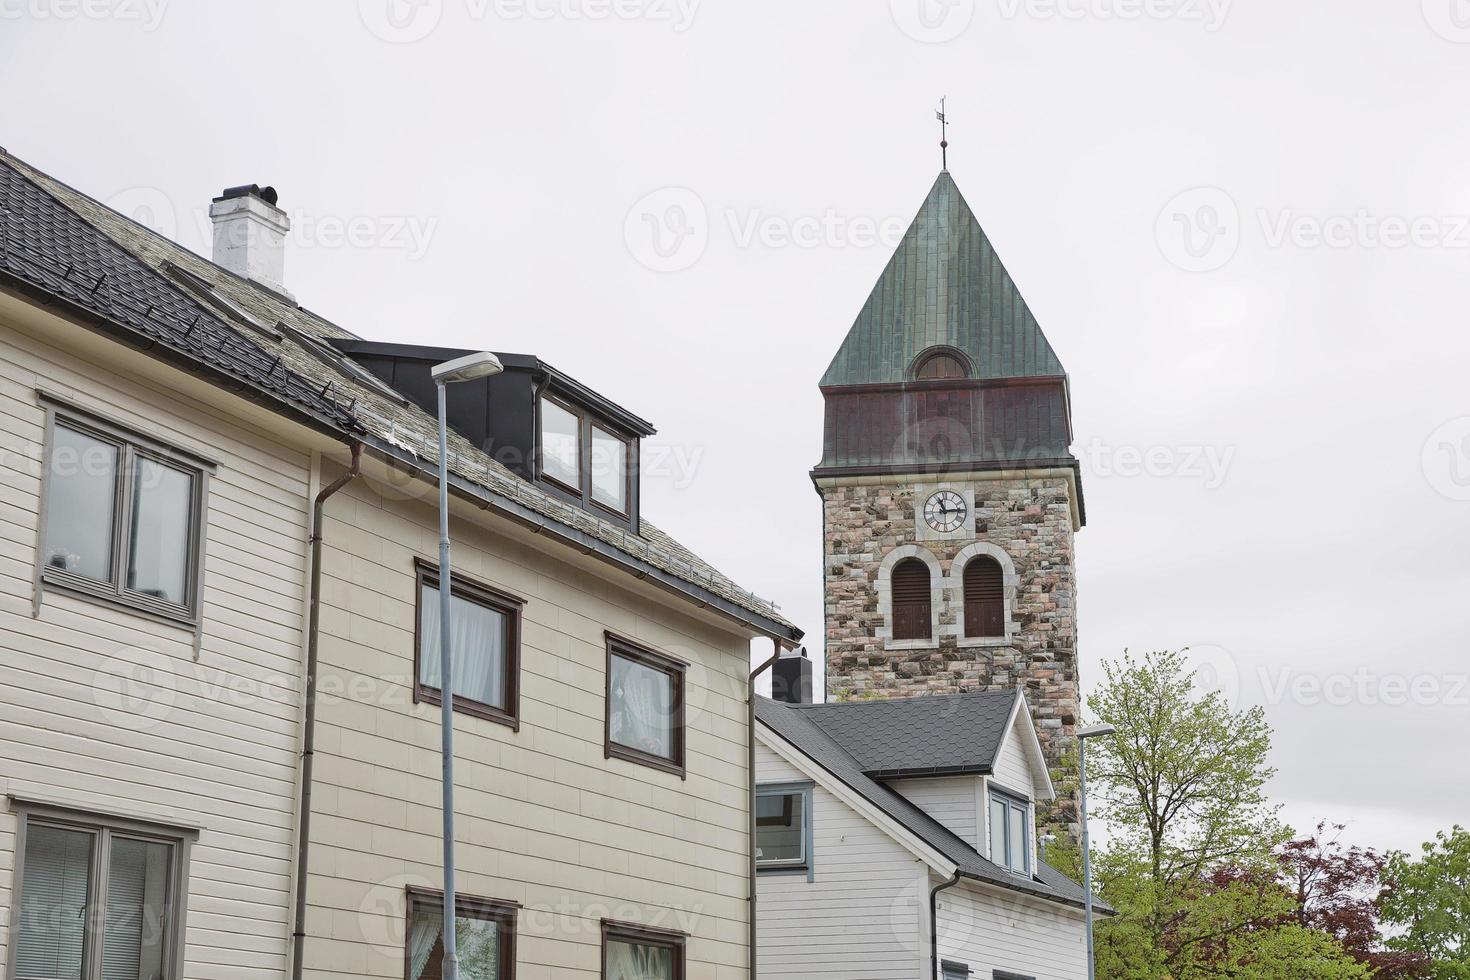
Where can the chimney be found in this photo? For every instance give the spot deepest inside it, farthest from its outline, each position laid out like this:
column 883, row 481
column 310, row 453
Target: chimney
column 791, row 677
column 250, row 234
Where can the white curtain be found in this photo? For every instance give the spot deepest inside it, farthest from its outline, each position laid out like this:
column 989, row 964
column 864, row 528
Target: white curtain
column 423, row 936
column 626, row 961
column 477, row 645
column 642, row 708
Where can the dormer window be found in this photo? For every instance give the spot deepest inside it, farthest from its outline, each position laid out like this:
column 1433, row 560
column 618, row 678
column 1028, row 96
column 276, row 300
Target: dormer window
column 1010, row 833
column 583, row 454
column 609, row 464
column 941, row 365
column 561, row 444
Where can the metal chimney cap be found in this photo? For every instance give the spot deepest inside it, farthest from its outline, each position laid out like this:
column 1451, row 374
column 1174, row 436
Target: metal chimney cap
column 266, row 194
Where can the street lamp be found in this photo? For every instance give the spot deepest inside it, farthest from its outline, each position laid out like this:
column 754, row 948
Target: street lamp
column 1096, row 731
column 469, row 368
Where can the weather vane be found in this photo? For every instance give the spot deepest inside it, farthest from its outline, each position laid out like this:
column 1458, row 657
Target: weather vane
column 943, row 118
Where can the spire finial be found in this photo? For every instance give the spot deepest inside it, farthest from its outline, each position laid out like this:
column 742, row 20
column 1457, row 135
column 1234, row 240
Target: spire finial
column 944, row 133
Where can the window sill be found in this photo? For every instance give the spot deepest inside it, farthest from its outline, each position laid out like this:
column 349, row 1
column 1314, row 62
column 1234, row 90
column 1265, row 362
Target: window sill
column 791, row 872
column 464, row 706
column 616, row 751
column 911, row 644
column 67, row 584
column 971, row 642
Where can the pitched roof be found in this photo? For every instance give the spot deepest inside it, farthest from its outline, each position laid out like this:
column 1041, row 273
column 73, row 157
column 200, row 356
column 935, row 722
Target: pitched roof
column 944, row 285
column 61, row 247
column 939, row 735
column 798, row 726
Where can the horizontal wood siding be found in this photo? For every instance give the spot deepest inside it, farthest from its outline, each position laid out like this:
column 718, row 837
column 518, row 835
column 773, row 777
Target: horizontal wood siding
column 106, row 710
column 543, row 818
column 1012, row 768
column 989, row 929
column 952, row 800
column 859, row 920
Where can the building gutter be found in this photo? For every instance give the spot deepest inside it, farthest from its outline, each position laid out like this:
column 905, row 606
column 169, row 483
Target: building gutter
column 750, row 762
column 934, row 922
column 308, row 736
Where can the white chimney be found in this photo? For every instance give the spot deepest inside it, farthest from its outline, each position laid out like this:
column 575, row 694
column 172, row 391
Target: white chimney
column 250, row 234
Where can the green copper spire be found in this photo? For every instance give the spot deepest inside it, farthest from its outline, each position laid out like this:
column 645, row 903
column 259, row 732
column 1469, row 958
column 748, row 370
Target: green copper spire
column 944, row 286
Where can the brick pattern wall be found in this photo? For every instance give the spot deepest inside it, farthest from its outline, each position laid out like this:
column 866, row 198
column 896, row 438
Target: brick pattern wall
column 1031, row 519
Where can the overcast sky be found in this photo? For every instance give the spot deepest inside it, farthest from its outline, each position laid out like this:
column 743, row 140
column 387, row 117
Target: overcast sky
column 1245, row 227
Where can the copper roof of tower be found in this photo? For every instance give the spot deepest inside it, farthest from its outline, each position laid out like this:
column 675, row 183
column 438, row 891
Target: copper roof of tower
column 946, row 286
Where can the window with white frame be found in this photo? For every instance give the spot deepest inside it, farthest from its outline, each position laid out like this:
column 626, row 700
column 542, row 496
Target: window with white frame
column 98, row 899
column 123, row 517
column 1010, row 833
column 783, row 828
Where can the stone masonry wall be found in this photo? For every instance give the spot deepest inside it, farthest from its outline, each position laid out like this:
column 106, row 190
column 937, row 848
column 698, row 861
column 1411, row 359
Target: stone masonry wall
column 1030, row 518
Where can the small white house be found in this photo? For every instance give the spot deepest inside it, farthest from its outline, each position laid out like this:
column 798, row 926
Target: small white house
column 895, row 840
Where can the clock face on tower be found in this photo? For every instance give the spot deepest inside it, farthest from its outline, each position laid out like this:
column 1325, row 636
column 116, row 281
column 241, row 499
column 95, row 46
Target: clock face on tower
column 945, row 511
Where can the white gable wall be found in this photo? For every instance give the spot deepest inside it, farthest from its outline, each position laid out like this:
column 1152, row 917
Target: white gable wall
column 860, row 918
column 951, row 800
column 1012, row 768
column 989, row 929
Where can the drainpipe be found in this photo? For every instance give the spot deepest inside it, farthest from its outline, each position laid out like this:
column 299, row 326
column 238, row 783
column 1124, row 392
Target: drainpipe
column 934, row 922
column 750, row 761
column 308, row 739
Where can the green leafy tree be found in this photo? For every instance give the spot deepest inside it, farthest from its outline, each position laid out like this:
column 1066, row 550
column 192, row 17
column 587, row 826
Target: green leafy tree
column 1428, row 900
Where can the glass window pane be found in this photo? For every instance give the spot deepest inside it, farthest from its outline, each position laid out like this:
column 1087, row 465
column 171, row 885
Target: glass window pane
column 80, row 505
column 477, row 646
column 477, row 942
column 998, row 831
column 641, row 709
column 135, row 933
column 634, row 961
column 1019, row 858
column 163, row 512
column 561, row 444
column 780, row 828
column 609, row 470
column 52, row 927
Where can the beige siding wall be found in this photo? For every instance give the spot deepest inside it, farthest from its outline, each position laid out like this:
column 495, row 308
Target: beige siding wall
column 543, row 818
column 106, row 710
column 860, row 918
column 952, row 800
column 990, row 929
column 1012, row 769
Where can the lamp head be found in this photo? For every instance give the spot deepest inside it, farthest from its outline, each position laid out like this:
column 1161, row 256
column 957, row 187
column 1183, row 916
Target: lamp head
column 471, row 367
column 1097, row 731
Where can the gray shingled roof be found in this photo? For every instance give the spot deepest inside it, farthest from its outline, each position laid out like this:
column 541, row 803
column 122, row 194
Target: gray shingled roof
column 940, row 735
column 944, row 285
column 799, row 726
column 59, row 245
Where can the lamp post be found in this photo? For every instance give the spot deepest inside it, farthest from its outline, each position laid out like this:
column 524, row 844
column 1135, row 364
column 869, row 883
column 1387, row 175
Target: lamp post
column 1096, row 731
column 469, row 368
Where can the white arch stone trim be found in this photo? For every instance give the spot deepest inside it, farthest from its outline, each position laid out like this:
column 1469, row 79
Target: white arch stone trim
column 955, row 584
column 937, row 584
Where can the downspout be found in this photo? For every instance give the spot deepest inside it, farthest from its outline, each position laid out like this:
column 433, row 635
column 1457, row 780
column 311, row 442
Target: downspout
column 750, row 762
column 308, row 738
column 934, row 922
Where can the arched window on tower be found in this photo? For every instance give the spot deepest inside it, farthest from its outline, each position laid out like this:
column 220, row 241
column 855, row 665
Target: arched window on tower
column 941, row 365
column 985, row 599
column 911, row 601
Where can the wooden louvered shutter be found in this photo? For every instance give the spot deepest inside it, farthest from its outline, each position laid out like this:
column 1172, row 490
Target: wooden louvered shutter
column 985, row 601
column 911, row 606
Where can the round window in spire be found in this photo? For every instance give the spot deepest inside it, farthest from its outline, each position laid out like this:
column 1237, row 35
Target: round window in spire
column 944, row 364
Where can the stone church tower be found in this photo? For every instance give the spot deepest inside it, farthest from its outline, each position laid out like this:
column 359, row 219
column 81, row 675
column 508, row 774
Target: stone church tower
column 950, row 496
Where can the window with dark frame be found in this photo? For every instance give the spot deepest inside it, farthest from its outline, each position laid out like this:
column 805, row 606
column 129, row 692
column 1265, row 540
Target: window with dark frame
column 484, row 934
column 912, row 600
column 954, row 971
column 632, row 952
column 985, row 600
column 608, row 470
column 560, row 444
column 97, row 899
column 1010, row 833
column 486, row 628
column 123, row 518
column 782, row 829
column 1004, row 975
column 645, row 706
column 941, row 366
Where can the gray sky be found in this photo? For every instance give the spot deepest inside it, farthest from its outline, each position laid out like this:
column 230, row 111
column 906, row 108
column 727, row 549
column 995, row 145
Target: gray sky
column 1244, row 225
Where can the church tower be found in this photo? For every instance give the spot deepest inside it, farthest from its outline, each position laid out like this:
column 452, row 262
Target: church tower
column 950, row 495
